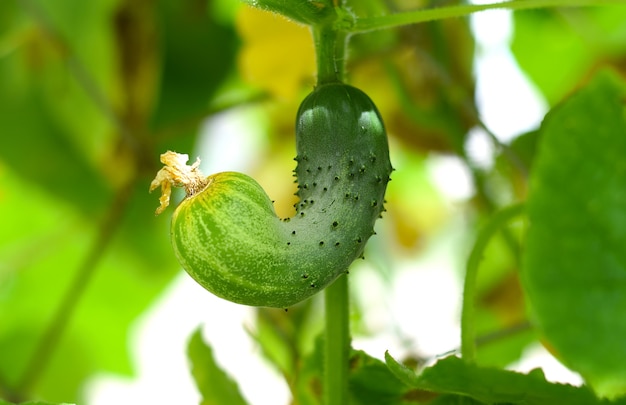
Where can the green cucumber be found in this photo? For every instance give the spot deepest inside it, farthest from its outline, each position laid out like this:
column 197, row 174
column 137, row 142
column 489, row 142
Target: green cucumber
column 228, row 237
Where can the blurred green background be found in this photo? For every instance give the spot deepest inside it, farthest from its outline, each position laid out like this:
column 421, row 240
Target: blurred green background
column 91, row 93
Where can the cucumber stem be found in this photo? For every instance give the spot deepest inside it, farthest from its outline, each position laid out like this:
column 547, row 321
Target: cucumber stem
column 330, row 50
column 336, row 342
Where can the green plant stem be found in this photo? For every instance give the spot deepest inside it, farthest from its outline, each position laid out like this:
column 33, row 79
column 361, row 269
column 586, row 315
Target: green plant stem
column 330, row 49
column 468, row 333
column 434, row 14
column 336, row 342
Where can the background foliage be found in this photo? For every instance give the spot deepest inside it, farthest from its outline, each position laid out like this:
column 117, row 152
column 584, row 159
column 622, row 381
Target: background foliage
column 92, row 92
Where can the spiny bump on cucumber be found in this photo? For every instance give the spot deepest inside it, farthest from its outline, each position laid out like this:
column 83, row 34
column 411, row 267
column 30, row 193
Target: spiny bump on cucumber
column 227, row 236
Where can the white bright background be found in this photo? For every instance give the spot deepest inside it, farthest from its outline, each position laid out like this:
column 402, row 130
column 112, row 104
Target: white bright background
column 425, row 303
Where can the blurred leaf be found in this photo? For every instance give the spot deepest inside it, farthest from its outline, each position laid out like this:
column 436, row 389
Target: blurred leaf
column 42, row 247
column 579, row 39
column 277, row 55
column 57, row 94
column 421, row 77
column 197, row 56
column 501, row 326
column 503, row 344
column 2, row 402
column 575, row 263
column 36, row 145
column 525, row 147
column 452, row 375
column 415, row 207
column 499, row 302
column 74, row 123
column 513, row 163
column 214, row 384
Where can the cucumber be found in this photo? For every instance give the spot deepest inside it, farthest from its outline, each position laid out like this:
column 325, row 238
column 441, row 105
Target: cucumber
column 228, row 237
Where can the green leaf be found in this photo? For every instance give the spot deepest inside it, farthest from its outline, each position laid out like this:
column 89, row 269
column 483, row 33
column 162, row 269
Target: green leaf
column 579, row 39
column 198, row 54
column 369, row 381
column 55, row 133
column 42, row 244
column 574, row 268
column 36, row 145
column 215, row 386
column 62, row 162
column 450, row 399
column 452, row 375
column 3, row 402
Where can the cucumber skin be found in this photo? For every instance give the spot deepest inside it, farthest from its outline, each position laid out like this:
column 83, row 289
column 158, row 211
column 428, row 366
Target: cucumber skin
column 230, row 240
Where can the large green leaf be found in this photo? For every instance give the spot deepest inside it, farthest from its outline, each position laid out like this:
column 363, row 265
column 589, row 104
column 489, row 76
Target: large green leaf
column 215, row 386
column 452, row 375
column 575, row 263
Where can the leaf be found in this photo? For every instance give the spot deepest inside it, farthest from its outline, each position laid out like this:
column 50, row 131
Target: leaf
column 429, row 111
column 3, row 402
column 42, row 245
column 36, row 145
column 369, row 381
column 215, row 386
column 452, row 375
column 578, row 40
column 574, row 268
column 198, row 53
column 63, row 162
column 451, row 399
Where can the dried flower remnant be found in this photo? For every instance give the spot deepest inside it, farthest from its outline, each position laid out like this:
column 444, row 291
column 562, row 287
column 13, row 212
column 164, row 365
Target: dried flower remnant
column 177, row 173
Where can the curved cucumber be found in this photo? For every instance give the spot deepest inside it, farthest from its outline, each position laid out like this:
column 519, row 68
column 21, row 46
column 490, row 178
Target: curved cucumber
column 229, row 239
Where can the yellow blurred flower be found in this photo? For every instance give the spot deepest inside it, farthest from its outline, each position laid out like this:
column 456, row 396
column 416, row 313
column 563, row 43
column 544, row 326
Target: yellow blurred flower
column 277, row 55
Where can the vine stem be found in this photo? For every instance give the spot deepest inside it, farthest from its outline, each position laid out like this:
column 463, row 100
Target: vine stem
column 336, row 342
column 433, row 14
column 495, row 223
column 330, row 50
